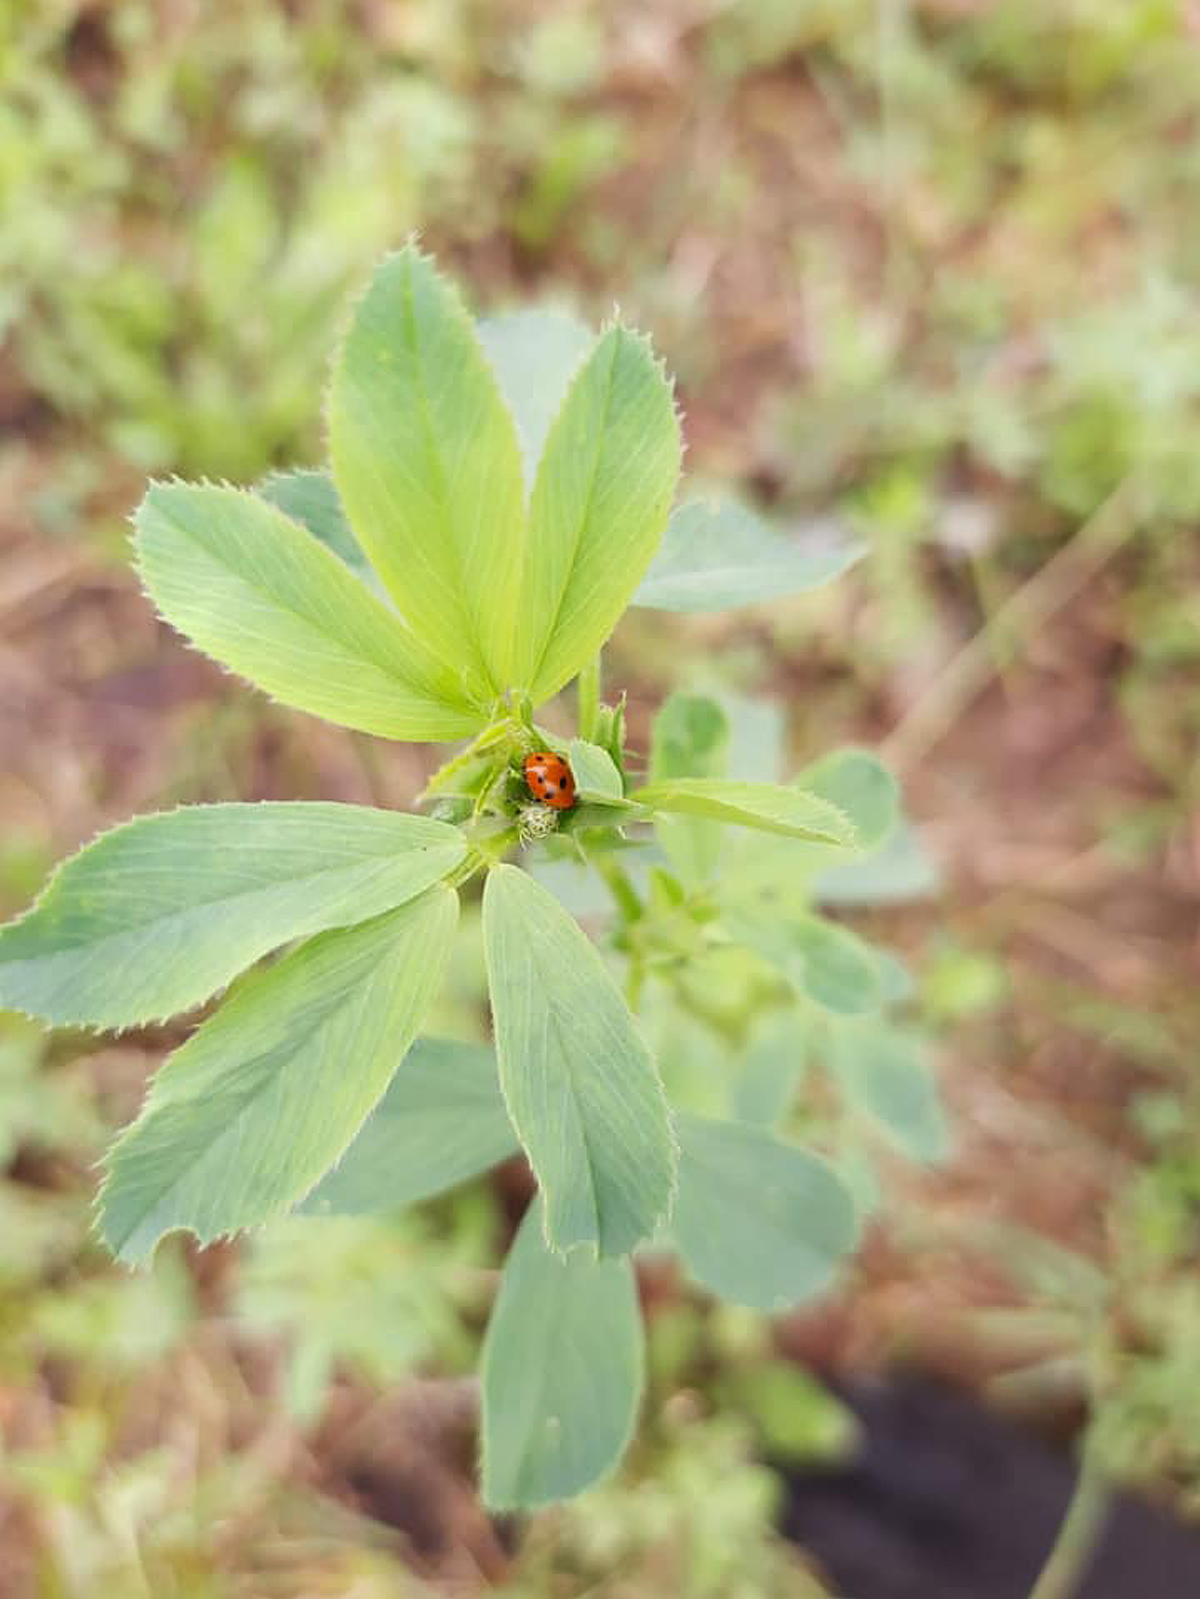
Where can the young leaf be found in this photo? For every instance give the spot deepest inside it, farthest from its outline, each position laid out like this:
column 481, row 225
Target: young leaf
column 310, row 497
column 580, row 1084
column 884, row 1071
column 441, row 1122
column 824, row 960
column 757, row 1221
column 596, row 776
column 769, row 807
column 160, row 913
column 253, row 589
column 716, row 556
column 426, row 460
column 254, row 1109
column 861, row 787
column 562, row 1372
column 598, row 507
column 534, row 353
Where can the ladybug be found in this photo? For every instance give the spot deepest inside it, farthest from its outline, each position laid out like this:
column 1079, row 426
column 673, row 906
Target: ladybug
column 550, row 779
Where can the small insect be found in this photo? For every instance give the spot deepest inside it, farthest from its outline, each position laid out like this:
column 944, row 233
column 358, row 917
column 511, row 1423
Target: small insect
column 550, row 779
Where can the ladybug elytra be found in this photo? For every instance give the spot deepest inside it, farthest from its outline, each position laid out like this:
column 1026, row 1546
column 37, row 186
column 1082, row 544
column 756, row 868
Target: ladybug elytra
column 550, row 779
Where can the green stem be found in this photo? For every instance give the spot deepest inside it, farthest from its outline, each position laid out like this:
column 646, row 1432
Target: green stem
column 619, row 886
column 1073, row 1548
column 589, row 700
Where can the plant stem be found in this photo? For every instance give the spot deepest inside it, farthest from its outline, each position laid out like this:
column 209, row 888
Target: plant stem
column 1070, row 1556
column 589, row 700
column 617, row 882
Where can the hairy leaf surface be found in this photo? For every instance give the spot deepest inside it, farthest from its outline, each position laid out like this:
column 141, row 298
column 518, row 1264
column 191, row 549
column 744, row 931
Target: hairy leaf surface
column 582, row 1089
column 253, row 589
column 160, row 913
column 244, row 1119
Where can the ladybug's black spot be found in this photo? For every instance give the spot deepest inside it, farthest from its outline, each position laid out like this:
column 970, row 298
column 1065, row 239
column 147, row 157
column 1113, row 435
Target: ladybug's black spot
column 562, row 782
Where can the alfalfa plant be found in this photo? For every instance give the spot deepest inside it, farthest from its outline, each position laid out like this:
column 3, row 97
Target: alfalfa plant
column 498, row 495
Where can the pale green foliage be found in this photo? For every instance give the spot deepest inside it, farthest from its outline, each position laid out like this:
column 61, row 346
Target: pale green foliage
column 562, row 1371
column 825, row 961
column 596, row 513
column 767, row 807
column 756, row 1220
column 861, row 787
column 595, row 773
column 158, row 914
column 581, row 1087
column 248, row 1115
column 253, row 589
column 426, row 460
column 441, row 1121
column 884, row 1071
column 717, row 556
column 310, row 497
column 534, row 354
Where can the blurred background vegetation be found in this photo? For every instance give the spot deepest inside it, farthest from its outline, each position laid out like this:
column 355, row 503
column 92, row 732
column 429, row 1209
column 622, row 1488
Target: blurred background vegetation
column 927, row 266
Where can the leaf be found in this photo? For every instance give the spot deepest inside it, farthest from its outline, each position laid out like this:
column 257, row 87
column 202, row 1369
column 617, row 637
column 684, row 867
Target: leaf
column 534, row 353
column 885, row 1072
column 769, row 807
column 718, row 555
column 596, row 777
column 562, row 1372
column 774, row 1063
column 822, row 959
column 310, row 497
column 253, row 589
column 426, row 460
column 581, row 1087
column 861, row 787
column 441, row 1122
column 254, row 1109
column 899, row 869
column 757, row 1221
column 598, row 507
column 690, row 738
column 160, row 913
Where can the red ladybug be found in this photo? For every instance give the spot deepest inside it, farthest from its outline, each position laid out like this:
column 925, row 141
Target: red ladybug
column 550, row 779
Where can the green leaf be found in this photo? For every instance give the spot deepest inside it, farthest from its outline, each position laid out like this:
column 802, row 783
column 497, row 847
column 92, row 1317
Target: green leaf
column 719, row 555
column 769, row 807
column 534, row 353
column 562, row 1372
column 160, row 913
column 254, row 1109
column 596, row 777
column 861, row 787
column 441, row 1122
column 774, row 1063
column 898, row 870
column 885, row 1072
column 822, row 959
column 310, row 497
column 426, row 460
column 690, row 738
column 253, row 589
column 598, row 507
column 757, row 1221
column 580, row 1084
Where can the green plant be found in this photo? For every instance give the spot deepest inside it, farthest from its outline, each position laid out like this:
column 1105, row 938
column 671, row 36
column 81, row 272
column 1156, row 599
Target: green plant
column 472, row 551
